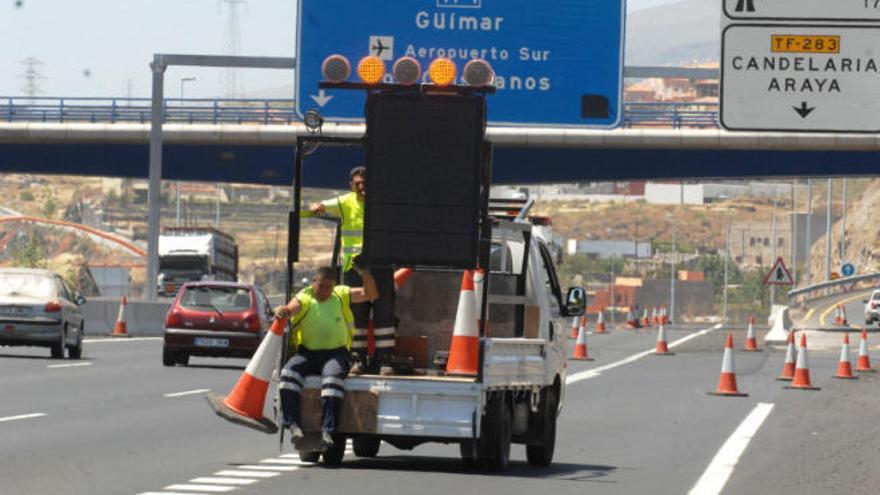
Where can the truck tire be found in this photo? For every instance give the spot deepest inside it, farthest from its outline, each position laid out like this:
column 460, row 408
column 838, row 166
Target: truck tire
column 333, row 456
column 541, row 454
column 366, row 445
column 309, row 456
column 496, row 435
column 469, row 459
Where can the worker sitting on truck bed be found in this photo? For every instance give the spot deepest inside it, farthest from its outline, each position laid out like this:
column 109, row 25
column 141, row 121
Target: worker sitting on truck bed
column 350, row 209
column 322, row 321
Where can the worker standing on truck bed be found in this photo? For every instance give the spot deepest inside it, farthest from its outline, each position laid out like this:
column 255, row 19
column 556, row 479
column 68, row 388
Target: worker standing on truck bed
column 322, row 321
column 350, row 209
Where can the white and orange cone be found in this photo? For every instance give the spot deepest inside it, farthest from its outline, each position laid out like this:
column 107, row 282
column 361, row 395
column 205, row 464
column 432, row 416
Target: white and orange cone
column 600, row 323
column 646, row 320
column 401, row 276
column 245, row 403
column 843, row 321
column 751, row 341
column 864, row 362
column 655, row 316
column 664, row 315
column 801, row 380
column 727, row 382
column 464, row 351
column 479, row 278
column 120, row 328
column 575, row 324
column 581, row 353
column 790, row 356
column 844, row 368
column 662, row 349
column 632, row 321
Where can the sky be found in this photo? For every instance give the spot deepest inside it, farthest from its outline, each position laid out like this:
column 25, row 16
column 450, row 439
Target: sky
column 102, row 48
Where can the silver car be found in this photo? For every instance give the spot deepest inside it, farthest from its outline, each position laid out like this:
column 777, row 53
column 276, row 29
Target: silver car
column 38, row 309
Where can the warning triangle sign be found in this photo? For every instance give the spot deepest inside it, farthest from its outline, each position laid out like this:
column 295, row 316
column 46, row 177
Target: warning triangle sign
column 779, row 274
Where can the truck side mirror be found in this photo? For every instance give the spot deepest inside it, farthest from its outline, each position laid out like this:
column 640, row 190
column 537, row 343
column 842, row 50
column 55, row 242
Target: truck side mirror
column 575, row 302
column 80, row 300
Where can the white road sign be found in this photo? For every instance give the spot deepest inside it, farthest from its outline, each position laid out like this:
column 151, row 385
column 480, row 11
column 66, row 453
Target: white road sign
column 800, row 78
column 804, row 10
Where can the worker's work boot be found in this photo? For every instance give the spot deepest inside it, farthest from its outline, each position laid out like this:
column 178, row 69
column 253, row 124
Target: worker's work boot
column 383, row 363
column 326, row 439
column 357, row 365
column 296, row 434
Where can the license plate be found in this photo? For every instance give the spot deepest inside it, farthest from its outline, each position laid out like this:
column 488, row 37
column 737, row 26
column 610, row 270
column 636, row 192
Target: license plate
column 210, row 342
column 12, row 311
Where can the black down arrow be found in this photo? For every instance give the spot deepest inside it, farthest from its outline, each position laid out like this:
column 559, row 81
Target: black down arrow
column 804, row 110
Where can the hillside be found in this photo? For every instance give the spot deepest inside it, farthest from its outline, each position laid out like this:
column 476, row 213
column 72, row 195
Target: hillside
column 674, row 34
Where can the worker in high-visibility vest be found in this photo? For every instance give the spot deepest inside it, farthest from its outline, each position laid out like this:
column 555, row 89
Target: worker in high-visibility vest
column 349, row 208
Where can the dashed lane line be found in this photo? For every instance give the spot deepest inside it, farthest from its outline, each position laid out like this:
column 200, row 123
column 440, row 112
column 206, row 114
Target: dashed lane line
column 247, row 474
column 200, row 488
column 71, row 365
column 214, row 480
column 22, row 416
column 188, row 392
column 594, row 372
column 716, row 475
column 119, row 339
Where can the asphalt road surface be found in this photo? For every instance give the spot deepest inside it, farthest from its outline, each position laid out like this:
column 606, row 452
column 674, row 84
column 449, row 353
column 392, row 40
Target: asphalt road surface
column 118, row 422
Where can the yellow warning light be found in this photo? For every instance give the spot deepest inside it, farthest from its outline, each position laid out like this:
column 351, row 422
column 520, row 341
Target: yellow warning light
column 335, row 69
column 371, row 69
column 442, row 71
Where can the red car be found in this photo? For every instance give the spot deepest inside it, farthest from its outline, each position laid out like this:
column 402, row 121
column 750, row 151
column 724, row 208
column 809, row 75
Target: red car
column 215, row 319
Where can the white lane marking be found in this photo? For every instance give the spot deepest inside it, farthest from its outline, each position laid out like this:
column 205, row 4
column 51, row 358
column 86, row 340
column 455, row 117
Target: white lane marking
column 22, row 416
column 188, row 392
column 72, row 365
column 268, row 468
column 594, row 372
column 721, row 467
column 200, row 488
column 247, row 474
column 289, row 462
column 125, row 339
column 223, row 481
column 171, row 493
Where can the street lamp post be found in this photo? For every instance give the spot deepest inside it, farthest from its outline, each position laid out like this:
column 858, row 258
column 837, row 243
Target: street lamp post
column 183, row 81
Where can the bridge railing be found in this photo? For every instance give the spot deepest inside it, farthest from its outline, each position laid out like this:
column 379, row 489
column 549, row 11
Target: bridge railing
column 809, row 293
column 277, row 111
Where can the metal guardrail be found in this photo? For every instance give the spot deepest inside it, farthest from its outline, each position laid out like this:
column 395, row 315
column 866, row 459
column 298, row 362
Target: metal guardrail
column 278, row 111
column 814, row 292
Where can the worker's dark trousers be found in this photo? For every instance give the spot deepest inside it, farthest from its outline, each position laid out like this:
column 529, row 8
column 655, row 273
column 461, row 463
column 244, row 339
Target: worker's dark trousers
column 382, row 313
column 333, row 366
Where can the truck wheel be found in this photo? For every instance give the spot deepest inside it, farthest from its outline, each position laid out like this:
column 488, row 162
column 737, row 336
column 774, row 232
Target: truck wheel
column 309, row 456
column 541, row 455
column 468, row 455
column 366, row 445
column 168, row 357
column 333, row 456
column 496, row 438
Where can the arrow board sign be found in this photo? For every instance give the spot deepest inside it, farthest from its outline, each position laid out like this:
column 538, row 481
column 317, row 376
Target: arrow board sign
column 804, row 10
column 779, row 274
column 800, row 78
column 557, row 63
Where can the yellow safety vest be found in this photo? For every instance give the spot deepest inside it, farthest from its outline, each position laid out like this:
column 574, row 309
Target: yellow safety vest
column 351, row 211
column 306, row 297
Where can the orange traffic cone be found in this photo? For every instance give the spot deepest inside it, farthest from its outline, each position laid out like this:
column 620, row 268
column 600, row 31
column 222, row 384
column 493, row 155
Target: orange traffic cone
column 844, row 369
column 664, row 315
column 464, row 351
column 479, row 277
column 632, row 321
column 655, row 316
column 574, row 326
column 600, row 324
column 843, row 321
column 801, row 379
column 581, row 353
column 751, row 342
column 244, row 404
column 401, row 276
column 662, row 349
column 727, row 382
column 788, row 368
column 646, row 320
column 864, row 362
column 120, row 329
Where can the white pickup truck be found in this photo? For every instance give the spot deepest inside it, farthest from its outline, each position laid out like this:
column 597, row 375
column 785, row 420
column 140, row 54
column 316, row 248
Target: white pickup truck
column 518, row 391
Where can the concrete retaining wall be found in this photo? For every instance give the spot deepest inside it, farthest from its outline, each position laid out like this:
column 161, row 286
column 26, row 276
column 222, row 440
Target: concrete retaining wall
column 143, row 318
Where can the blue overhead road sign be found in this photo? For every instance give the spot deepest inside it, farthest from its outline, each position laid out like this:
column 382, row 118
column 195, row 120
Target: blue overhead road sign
column 557, row 63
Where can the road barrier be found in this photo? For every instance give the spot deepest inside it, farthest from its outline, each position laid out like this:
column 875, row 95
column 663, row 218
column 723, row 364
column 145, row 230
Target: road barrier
column 143, row 318
column 810, row 293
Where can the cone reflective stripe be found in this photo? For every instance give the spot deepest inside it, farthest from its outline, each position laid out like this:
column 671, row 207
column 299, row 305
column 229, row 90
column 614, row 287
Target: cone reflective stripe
column 574, row 326
column 465, row 348
column 581, row 353
column 245, row 403
column 662, row 348
column 751, row 341
column 600, row 324
column 401, row 276
column 844, row 368
column 727, row 381
column 120, row 327
column 864, row 362
column 790, row 356
column 801, row 378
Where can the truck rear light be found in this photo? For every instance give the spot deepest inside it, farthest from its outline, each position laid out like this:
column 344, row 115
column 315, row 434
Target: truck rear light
column 174, row 319
column 873, row 305
column 52, row 307
column 252, row 322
